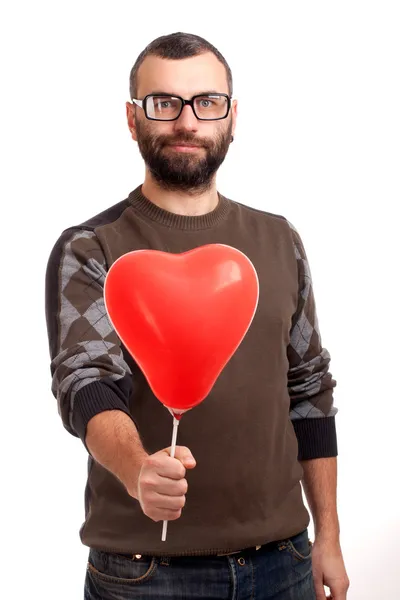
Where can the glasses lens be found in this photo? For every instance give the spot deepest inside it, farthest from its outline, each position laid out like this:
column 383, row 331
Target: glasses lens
column 211, row 106
column 163, row 108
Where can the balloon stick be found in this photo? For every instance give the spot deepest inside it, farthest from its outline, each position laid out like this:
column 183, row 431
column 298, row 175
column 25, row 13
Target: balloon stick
column 173, row 447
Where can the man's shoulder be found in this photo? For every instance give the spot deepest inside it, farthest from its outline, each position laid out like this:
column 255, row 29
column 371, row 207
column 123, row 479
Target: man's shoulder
column 105, row 217
column 259, row 214
column 264, row 222
column 82, row 236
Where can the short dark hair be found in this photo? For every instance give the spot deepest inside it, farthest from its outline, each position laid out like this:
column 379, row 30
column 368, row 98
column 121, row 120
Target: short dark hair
column 176, row 46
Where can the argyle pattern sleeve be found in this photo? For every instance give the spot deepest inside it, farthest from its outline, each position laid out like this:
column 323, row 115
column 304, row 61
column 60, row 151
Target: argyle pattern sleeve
column 310, row 384
column 89, row 373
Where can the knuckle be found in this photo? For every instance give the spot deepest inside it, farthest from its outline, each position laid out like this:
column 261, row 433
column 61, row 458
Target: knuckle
column 152, row 461
column 146, row 482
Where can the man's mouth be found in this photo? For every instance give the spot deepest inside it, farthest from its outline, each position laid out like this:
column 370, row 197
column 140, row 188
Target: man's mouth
column 184, row 146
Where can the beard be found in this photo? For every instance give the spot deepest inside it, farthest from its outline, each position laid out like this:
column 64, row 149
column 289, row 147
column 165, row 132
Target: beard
column 178, row 171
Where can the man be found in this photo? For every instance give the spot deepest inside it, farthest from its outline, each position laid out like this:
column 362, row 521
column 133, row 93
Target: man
column 233, row 490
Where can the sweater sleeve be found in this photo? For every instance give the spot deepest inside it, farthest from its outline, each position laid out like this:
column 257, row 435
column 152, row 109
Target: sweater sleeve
column 89, row 373
column 310, row 384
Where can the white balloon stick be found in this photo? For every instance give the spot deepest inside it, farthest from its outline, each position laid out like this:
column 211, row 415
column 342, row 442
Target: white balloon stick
column 173, row 447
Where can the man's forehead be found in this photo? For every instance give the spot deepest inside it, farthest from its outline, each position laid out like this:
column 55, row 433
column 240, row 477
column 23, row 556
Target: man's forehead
column 184, row 77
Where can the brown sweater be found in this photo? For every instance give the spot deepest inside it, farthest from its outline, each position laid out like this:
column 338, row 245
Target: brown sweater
column 271, row 406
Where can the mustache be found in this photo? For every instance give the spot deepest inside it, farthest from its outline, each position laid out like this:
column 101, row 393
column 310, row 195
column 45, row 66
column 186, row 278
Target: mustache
column 167, row 140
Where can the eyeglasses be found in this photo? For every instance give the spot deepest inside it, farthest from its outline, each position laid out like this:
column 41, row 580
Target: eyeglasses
column 206, row 107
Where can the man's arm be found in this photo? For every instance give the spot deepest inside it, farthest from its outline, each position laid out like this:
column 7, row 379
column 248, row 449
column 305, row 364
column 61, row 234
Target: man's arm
column 312, row 412
column 310, row 384
column 157, row 481
column 93, row 383
column 88, row 368
column 114, row 442
column 320, row 484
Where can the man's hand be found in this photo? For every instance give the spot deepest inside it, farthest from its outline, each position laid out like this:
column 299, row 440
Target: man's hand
column 161, row 486
column 319, row 483
column 157, row 481
column 328, row 569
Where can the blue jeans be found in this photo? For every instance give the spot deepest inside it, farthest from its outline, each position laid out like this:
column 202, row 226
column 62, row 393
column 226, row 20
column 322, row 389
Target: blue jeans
column 277, row 571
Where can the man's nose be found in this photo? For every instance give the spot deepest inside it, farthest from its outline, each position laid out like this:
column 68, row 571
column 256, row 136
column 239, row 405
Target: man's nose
column 187, row 120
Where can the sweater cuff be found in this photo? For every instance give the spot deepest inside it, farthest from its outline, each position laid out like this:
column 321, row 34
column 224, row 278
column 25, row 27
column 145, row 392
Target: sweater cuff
column 316, row 437
column 92, row 399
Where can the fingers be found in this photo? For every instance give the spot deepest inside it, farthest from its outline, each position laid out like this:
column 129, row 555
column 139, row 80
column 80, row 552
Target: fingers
column 162, row 507
column 163, row 514
column 319, row 591
column 338, row 595
column 164, row 502
column 184, row 455
column 165, row 466
column 165, row 486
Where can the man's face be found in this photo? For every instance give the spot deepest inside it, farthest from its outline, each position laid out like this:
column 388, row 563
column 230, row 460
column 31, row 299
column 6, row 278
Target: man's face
column 184, row 168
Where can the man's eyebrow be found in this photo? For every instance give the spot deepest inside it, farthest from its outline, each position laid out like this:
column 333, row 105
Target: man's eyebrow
column 163, row 93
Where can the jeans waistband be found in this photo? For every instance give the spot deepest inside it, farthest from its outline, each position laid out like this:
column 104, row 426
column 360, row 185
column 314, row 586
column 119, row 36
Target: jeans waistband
column 249, row 550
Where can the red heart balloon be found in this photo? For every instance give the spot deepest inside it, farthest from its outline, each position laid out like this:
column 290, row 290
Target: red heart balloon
column 182, row 316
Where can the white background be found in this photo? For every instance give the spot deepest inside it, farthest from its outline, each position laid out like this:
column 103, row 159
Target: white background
column 318, row 141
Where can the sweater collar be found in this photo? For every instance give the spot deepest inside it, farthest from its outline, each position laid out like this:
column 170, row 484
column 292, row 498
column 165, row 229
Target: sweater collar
column 147, row 208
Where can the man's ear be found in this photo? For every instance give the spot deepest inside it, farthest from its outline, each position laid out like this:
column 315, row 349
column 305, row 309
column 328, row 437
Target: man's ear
column 234, row 115
column 130, row 116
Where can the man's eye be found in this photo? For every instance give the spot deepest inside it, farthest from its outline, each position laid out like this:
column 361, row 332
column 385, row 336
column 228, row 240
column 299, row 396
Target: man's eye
column 163, row 104
column 205, row 103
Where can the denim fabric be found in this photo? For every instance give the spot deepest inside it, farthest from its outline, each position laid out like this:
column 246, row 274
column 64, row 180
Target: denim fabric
column 277, row 571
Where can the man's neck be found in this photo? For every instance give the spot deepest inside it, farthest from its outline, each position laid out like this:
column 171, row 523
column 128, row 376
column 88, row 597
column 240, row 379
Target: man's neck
column 181, row 203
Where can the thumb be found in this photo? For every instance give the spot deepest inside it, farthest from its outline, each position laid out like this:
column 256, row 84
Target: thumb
column 185, row 456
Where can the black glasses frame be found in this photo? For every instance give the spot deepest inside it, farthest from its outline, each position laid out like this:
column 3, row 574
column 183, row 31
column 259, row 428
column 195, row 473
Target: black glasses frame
column 143, row 105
